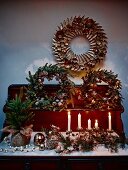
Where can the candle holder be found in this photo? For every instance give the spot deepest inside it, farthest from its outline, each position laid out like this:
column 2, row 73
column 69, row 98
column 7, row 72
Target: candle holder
column 80, row 129
column 89, row 130
column 68, row 132
column 110, row 131
column 96, row 129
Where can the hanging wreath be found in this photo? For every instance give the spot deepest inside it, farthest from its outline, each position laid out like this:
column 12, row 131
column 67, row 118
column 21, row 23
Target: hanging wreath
column 42, row 99
column 88, row 29
column 94, row 98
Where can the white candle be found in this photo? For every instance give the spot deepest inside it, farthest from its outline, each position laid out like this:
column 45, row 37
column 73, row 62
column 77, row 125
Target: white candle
column 69, row 121
column 109, row 121
column 89, row 124
column 96, row 124
column 79, row 121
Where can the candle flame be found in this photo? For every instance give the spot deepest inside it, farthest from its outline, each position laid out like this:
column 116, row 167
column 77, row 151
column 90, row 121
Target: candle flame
column 109, row 114
column 68, row 112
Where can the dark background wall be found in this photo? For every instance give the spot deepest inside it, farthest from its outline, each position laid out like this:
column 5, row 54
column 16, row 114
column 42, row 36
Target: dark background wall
column 26, row 32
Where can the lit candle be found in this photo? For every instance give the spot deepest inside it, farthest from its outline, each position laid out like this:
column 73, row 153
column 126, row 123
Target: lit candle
column 109, row 121
column 79, row 121
column 89, row 124
column 69, row 121
column 96, row 124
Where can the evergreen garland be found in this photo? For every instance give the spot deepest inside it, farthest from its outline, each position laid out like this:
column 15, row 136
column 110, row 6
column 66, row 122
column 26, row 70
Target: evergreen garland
column 84, row 140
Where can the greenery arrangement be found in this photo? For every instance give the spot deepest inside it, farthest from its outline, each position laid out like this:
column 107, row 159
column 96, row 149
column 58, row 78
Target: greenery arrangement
column 18, row 114
column 41, row 98
column 111, row 99
column 59, row 100
column 84, row 140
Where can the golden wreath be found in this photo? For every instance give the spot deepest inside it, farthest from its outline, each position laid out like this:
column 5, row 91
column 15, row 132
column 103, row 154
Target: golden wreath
column 88, row 29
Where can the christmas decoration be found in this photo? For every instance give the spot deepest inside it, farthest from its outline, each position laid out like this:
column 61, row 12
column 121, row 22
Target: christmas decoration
column 41, row 98
column 39, row 139
column 42, row 147
column 52, row 137
column 19, row 137
column 84, row 140
column 86, row 28
column 18, row 120
column 93, row 99
column 20, row 140
column 18, row 114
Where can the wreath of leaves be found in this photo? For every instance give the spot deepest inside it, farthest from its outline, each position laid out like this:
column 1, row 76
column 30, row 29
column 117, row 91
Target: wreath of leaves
column 111, row 99
column 36, row 89
column 88, row 29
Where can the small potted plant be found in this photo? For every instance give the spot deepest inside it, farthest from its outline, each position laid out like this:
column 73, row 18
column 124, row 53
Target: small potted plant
column 18, row 120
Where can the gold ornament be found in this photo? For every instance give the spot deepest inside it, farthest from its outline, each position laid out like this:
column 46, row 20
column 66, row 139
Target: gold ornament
column 39, row 139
